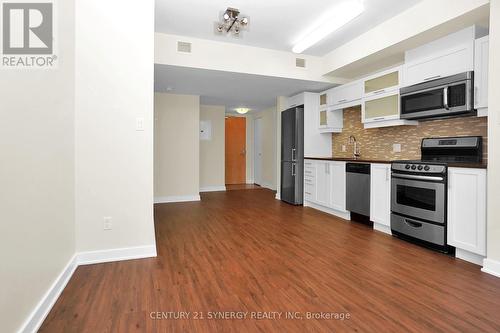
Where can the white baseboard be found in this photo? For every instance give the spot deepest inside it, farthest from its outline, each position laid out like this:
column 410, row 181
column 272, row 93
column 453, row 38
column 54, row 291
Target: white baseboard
column 268, row 186
column 177, row 198
column 382, row 228
column 127, row 253
column 342, row 214
column 42, row 309
column 491, row 266
column 469, row 256
column 212, row 188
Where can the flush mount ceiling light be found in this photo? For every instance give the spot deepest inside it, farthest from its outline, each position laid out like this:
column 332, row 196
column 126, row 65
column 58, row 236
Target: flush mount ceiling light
column 242, row 110
column 338, row 17
column 231, row 23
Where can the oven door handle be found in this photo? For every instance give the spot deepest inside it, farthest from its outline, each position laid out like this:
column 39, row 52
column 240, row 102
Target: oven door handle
column 413, row 224
column 445, row 98
column 402, row 175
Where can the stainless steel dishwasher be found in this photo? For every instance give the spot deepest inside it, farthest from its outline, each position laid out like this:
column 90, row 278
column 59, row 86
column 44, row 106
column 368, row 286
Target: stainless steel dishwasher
column 358, row 188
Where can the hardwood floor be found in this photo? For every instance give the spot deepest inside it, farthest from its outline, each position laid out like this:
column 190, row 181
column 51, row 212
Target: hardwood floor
column 245, row 251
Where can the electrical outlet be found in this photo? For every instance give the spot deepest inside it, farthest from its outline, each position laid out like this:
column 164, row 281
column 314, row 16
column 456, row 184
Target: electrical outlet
column 396, row 148
column 344, row 148
column 108, row 223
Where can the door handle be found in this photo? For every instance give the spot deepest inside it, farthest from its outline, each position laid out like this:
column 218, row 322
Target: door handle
column 432, row 77
column 294, row 153
column 293, row 169
column 445, row 98
column 413, row 224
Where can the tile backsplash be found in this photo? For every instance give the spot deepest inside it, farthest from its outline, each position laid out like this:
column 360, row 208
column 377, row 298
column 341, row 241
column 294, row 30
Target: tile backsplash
column 377, row 143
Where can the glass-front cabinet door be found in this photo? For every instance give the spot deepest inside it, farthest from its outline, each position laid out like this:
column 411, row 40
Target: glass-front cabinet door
column 383, row 107
column 382, row 82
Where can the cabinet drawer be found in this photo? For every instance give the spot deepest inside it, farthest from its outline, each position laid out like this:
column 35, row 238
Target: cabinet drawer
column 309, row 191
column 418, row 229
column 309, row 181
column 309, row 173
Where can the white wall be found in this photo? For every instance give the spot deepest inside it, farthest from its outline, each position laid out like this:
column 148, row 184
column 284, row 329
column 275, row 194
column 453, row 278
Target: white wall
column 493, row 230
column 216, row 55
column 114, row 87
column 177, row 147
column 268, row 118
column 212, row 152
column 37, row 177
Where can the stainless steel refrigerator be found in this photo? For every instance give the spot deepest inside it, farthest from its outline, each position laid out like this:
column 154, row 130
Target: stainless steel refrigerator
column 292, row 155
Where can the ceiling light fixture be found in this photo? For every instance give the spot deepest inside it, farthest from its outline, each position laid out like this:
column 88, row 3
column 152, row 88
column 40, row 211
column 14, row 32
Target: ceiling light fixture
column 231, row 23
column 242, row 110
column 340, row 16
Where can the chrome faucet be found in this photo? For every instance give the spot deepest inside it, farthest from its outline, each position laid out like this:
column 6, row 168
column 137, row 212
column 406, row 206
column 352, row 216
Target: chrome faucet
column 355, row 151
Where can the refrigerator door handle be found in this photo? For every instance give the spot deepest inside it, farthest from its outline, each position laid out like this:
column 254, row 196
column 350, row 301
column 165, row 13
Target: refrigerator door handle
column 293, row 169
column 294, row 153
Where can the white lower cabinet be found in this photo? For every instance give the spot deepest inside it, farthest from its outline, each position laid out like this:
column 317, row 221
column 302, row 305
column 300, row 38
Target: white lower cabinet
column 323, row 183
column 467, row 212
column 338, row 179
column 324, row 186
column 380, row 197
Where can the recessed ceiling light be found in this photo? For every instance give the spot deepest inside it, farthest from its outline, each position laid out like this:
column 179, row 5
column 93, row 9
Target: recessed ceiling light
column 242, row 110
column 340, row 16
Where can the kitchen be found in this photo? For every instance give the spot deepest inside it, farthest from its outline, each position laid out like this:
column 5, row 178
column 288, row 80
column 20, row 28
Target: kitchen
column 403, row 150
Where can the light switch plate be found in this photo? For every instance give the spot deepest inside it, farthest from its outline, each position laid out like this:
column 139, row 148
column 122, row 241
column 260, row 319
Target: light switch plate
column 139, row 124
column 107, row 223
column 396, row 148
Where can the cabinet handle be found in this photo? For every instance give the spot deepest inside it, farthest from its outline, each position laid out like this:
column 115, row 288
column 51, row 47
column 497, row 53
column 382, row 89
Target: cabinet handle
column 432, row 77
column 342, row 101
column 379, row 118
column 379, row 91
column 476, row 102
column 386, row 174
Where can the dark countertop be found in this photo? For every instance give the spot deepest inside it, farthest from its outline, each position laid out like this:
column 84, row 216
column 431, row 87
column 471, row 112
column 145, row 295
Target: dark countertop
column 361, row 160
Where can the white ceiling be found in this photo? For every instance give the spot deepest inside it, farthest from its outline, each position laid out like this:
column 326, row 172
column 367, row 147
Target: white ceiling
column 274, row 24
column 230, row 89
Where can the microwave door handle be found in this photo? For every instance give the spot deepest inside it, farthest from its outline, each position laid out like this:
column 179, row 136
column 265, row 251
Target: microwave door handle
column 445, row 98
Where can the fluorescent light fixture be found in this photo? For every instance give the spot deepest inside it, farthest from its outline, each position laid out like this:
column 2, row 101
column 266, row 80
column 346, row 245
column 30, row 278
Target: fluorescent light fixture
column 340, row 16
column 242, row 110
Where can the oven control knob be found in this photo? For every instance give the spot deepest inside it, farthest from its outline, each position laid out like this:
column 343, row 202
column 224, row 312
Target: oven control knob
column 413, row 167
column 427, row 168
column 420, row 167
column 407, row 166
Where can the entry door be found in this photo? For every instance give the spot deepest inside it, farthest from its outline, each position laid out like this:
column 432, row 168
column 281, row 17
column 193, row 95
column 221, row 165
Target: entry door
column 258, row 151
column 235, row 150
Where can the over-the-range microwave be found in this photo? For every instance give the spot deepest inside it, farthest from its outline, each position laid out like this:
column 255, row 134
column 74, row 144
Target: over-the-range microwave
column 445, row 97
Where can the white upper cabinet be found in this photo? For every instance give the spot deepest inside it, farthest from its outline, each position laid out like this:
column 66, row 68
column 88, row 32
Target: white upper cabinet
column 382, row 82
column 315, row 143
column 380, row 196
column 294, row 101
column 346, row 95
column 467, row 209
column 443, row 57
column 442, row 64
column 380, row 104
column 481, row 62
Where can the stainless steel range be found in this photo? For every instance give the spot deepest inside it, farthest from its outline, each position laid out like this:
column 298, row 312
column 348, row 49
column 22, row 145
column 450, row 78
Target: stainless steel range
column 419, row 189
